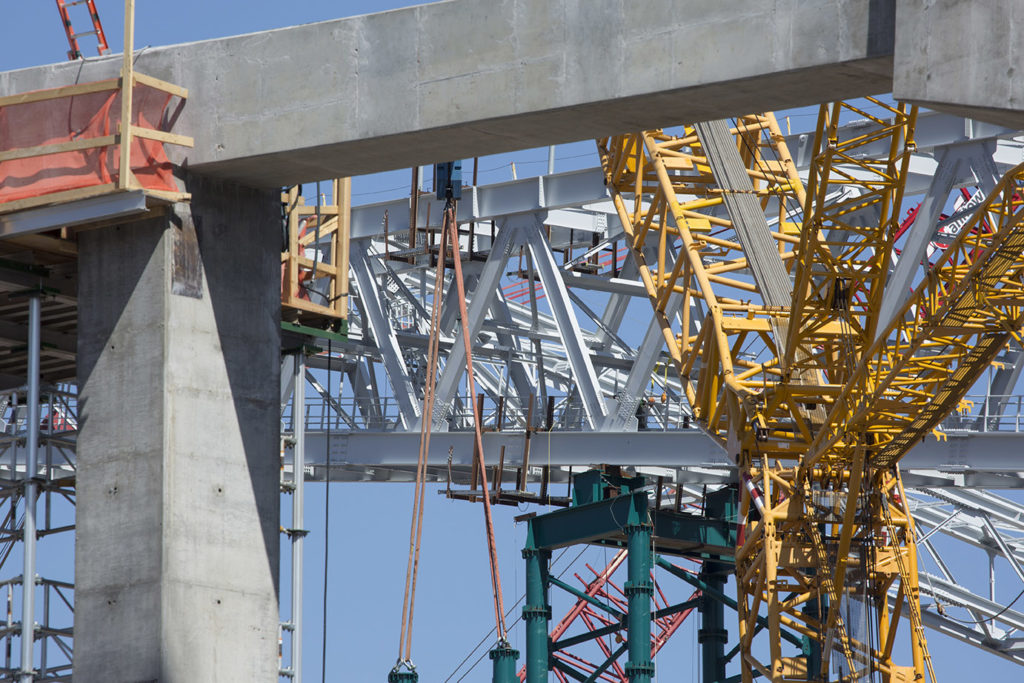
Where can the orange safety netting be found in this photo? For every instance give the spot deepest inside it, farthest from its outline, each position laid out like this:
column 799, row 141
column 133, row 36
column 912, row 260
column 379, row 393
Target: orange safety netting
column 78, row 117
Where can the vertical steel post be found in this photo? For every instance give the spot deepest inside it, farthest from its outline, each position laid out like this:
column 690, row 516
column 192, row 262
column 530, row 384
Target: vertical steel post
column 504, row 658
column 28, row 580
column 639, row 590
column 536, row 611
column 298, row 508
column 712, row 635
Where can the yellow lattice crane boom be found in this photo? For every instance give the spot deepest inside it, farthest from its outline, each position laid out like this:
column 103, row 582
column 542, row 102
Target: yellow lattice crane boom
column 769, row 294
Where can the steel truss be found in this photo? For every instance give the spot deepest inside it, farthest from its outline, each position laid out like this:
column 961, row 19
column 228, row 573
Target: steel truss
column 518, row 341
column 553, row 365
column 794, row 371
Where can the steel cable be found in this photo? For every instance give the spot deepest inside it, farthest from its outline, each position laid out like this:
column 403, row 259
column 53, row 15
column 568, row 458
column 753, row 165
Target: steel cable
column 451, row 225
column 426, row 419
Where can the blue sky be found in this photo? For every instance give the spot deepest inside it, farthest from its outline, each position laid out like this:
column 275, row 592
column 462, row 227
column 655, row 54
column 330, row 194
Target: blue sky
column 369, row 522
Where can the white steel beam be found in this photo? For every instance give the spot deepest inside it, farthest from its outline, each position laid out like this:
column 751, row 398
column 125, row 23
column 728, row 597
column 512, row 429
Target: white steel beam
column 387, row 342
column 490, row 277
column 517, row 371
column 921, row 233
column 622, row 413
column 487, row 202
column 568, row 326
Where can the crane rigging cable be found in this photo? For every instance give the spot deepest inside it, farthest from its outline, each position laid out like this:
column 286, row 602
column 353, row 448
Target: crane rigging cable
column 452, row 226
column 449, row 238
column 416, row 526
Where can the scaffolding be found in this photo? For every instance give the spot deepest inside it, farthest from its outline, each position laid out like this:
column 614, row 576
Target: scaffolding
column 38, row 427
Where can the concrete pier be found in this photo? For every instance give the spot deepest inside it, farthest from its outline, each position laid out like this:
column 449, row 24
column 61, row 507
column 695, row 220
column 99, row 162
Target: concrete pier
column 177, row 540
column 963, row 57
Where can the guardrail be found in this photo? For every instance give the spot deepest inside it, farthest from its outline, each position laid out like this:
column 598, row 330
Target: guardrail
column 556, row 413
column 87, row 139
column 979, row 414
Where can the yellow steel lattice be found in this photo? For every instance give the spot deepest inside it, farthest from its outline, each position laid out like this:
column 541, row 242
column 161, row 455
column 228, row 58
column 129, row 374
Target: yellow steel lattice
column 817, row 400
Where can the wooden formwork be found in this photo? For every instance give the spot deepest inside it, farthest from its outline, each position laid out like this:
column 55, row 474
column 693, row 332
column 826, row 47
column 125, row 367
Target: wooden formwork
column 324, row 230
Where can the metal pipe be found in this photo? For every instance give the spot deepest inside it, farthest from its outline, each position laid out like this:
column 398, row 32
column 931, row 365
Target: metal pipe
column 551, row 159
column 639, row 590
column 28, row 580
column 43, row 641
column 298, row 508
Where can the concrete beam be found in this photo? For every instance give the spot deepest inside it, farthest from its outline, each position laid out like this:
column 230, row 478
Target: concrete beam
column 962, row 57
column 462, row 78
column 177, row 477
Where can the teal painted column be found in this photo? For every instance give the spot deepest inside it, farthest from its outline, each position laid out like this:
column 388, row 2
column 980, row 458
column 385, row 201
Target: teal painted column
column 639, row 590
column 504, row 658
column 811, row 647
column 536, row 611
column 712, row 635
column 398, row 676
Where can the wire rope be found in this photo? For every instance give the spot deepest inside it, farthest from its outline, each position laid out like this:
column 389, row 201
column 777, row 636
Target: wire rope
column 426, row 420
column 451, row 225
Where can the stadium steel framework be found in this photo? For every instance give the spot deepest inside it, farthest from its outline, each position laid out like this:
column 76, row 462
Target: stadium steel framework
column 551, row 356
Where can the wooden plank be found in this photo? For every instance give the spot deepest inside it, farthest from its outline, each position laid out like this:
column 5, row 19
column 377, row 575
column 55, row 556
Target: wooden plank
column 56, row 197
column 57, row 93
column 292, row 270
column 43, row 243
column 164, row 86
column 162, row 136
column 327, row 228
column 320, row 266
column 168, row 196
column 343, row 240
column 57, row 148
column 125, row 176
column 304, row 305
column 311, row 210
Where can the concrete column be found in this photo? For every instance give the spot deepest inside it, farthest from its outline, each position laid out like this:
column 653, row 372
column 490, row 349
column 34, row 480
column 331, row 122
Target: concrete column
column 178, row 350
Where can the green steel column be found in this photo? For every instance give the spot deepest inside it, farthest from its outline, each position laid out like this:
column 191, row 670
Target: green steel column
column 536, row 611
column 811, row 647
column 639, row 590
column 504, row 658
column 712, row 635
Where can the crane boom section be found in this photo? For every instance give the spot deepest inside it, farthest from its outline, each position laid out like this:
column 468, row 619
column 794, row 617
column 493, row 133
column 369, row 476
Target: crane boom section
column 775, row 376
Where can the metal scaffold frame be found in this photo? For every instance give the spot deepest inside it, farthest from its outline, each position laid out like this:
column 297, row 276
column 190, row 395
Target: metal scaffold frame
column 37, row 462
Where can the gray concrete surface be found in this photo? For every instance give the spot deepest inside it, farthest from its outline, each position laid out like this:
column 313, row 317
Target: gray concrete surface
column 963, row 57
column 177, row 538
column 461, row 78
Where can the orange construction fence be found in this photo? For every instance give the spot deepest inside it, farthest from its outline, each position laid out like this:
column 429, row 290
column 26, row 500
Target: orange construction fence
column 67, row 139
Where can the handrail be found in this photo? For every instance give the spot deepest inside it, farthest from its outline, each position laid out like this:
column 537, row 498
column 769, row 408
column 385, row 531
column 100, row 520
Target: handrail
column 121, row 140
